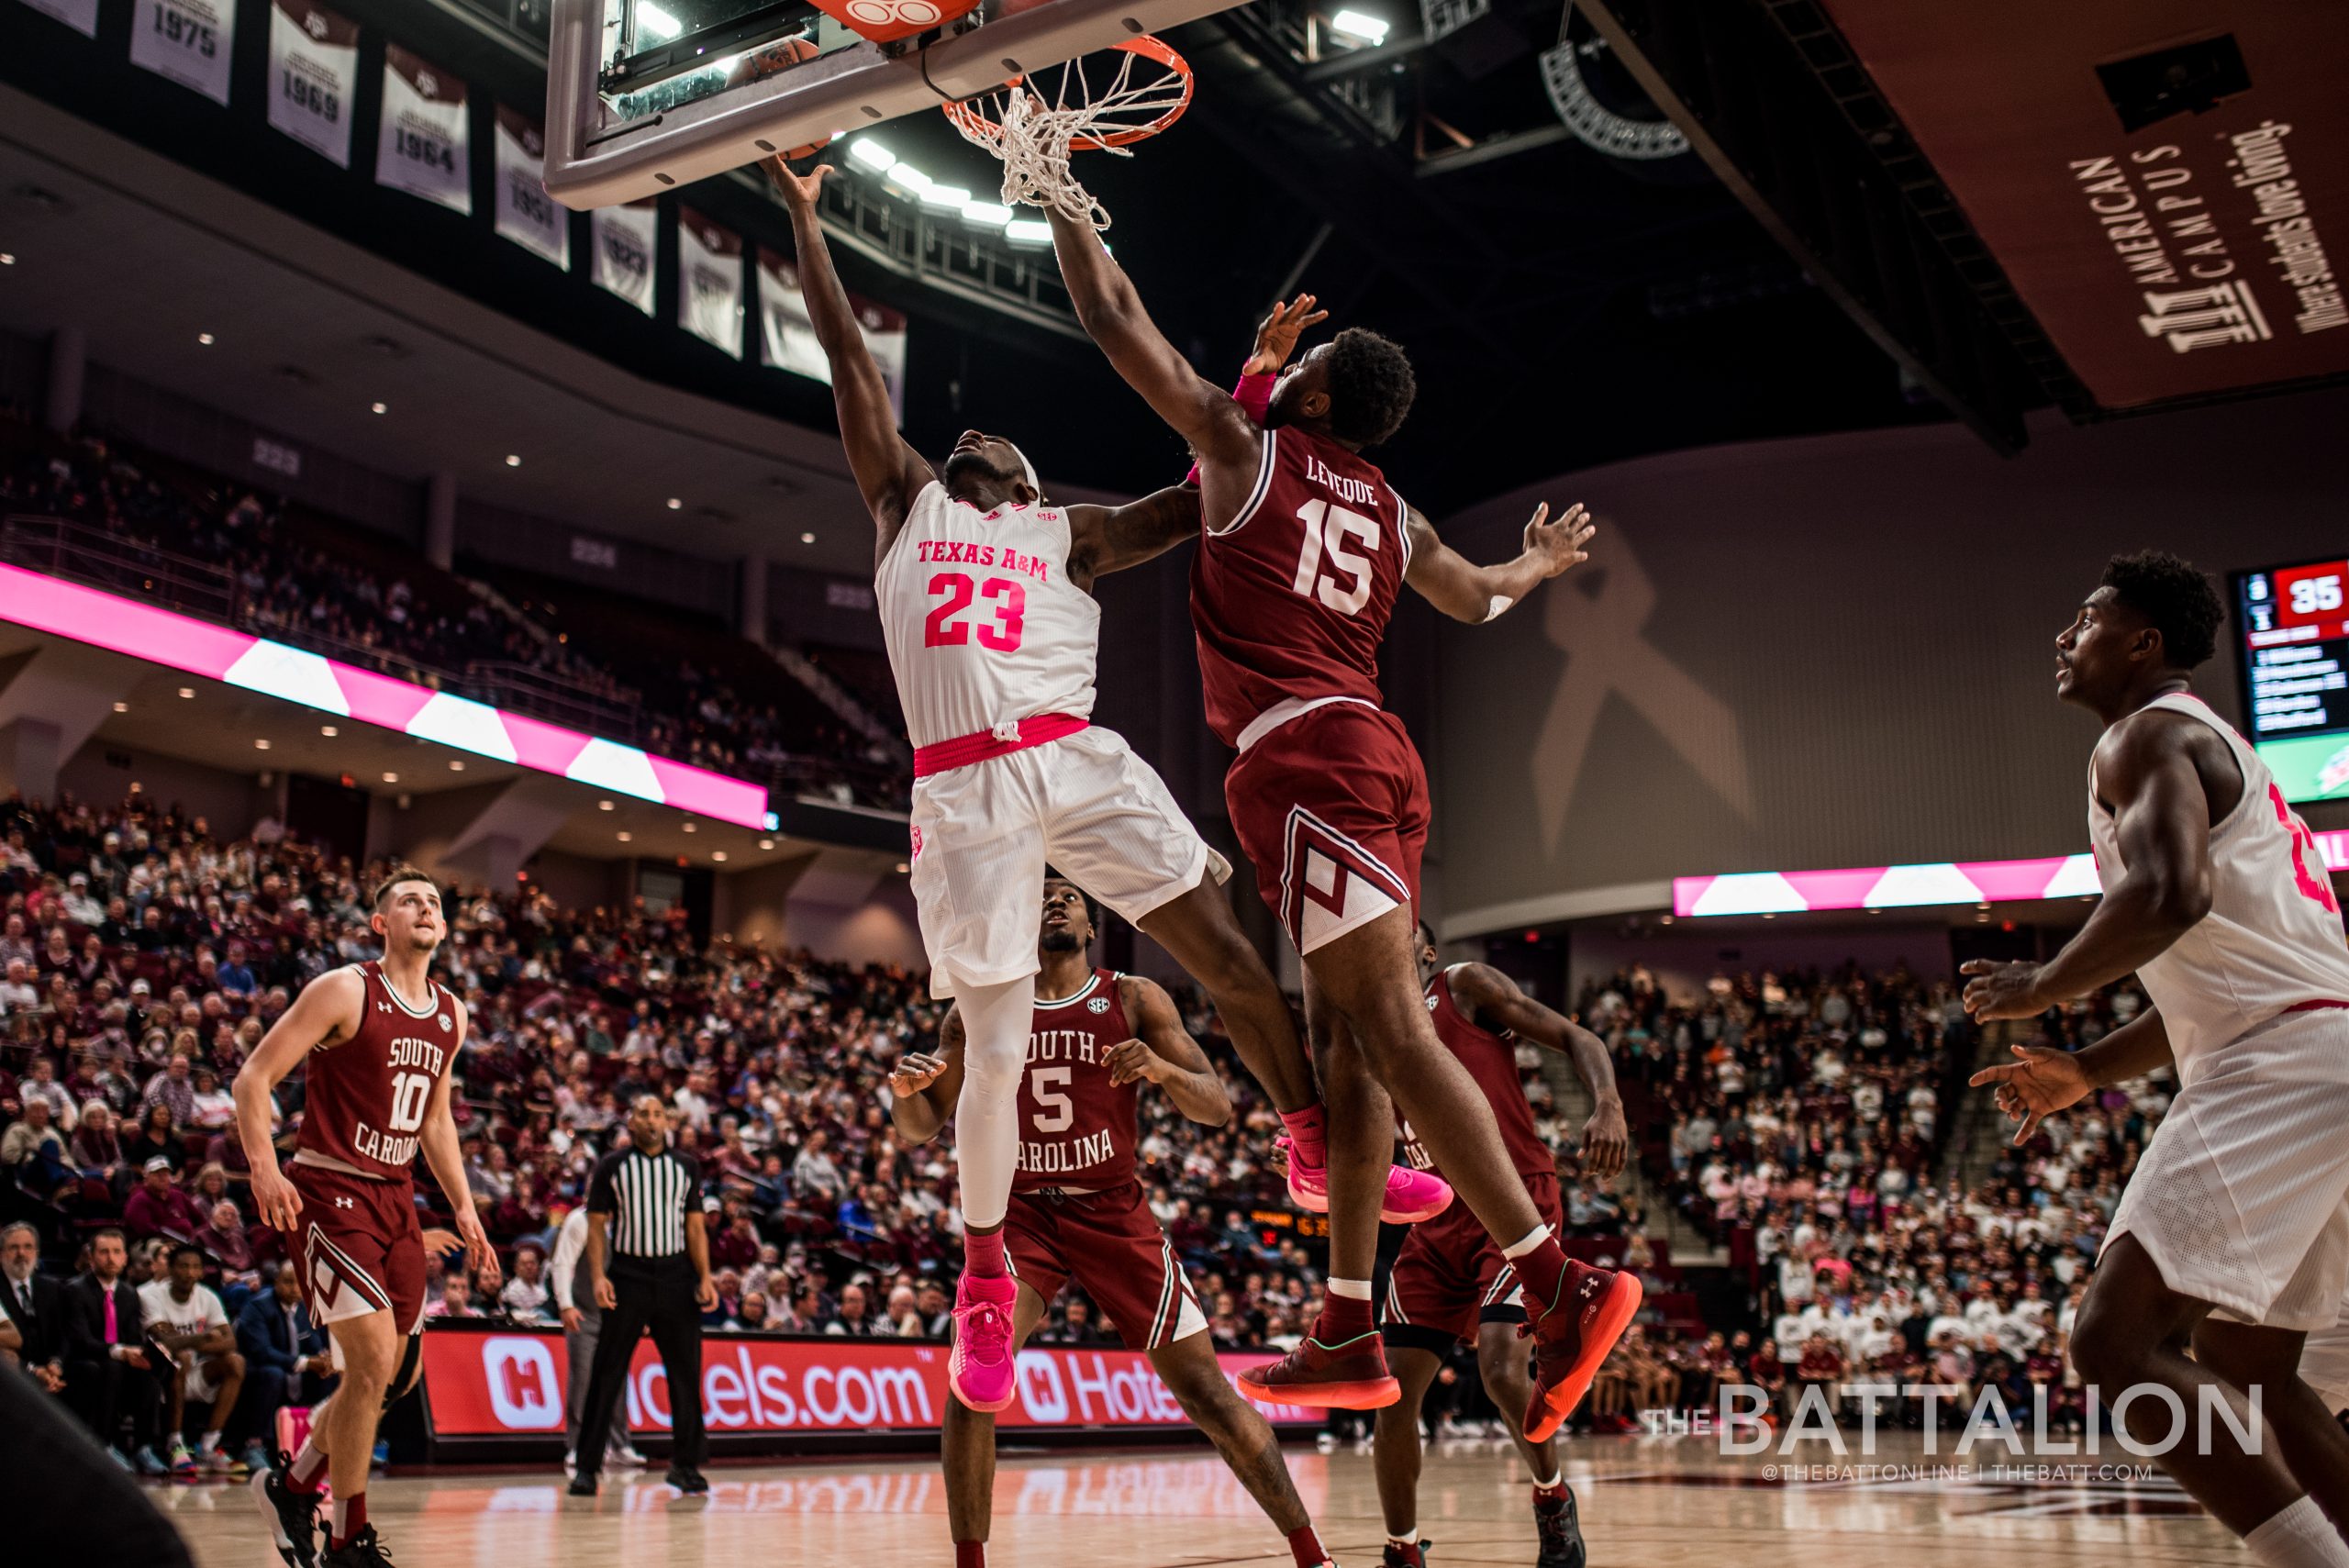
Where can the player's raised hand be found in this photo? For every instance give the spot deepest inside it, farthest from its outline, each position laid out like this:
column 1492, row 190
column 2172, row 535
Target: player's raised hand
column 1605, row 1143
column 796, row 190
column 280, row 1205
column 1132, row 1062
column 2001, row 990
column 1276, row 338
column 913, row 1073
column 2036, row 1088
column 1558, row 542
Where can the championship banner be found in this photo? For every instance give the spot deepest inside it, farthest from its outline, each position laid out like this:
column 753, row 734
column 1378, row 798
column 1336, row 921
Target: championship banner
column 313, row 67
column 422, row 145
column 526, row 213
column 186, row 41
column 513, row 1384
column 709, row 281
column 624, row 240
column 787, row 334
column 82, row 16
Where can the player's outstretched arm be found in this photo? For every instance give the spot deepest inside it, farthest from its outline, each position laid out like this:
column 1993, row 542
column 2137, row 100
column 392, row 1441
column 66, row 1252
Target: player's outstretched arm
column 2144, row 770
column 1494, row 1002
column 1164, row 1053
column 1111, row 312
column 1467, row 592
column 2043, row 1080
column 889, row 473
column 923, row 1088
column 446, row 1160
column 328, row 1011
column 1103, row 540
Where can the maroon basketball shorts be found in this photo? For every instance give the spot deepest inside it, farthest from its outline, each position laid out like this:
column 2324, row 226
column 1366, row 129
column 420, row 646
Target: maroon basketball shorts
column 1113, row 1247
column 1451, row 1276
column 359, row 1249
column 1332, row 808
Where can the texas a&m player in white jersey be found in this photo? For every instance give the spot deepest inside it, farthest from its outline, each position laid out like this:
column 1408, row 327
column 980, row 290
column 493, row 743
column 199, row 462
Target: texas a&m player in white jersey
column 1079, row 1215
column 984, row 592
column 2233, row 1230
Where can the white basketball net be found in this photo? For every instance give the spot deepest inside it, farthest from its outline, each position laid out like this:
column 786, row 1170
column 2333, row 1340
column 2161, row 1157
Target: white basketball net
column 1036, row 139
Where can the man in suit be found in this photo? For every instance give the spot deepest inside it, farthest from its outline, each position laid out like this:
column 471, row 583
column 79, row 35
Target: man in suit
column 34, row 1306
column 109, row 1375
column 286, row 1359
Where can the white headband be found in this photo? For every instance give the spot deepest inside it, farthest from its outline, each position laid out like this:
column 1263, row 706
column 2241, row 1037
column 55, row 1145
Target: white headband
column 1027, row 471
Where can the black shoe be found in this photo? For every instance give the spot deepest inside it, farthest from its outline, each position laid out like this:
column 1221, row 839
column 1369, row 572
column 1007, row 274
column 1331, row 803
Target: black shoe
column 688, row 1480
column 1561, row 1527
column 1407, row 1556
column 363, row 1551
column 583, row 1485
column 293, row 1516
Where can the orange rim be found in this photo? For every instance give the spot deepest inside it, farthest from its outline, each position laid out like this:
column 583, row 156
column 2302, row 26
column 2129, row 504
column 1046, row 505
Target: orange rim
column 977, row 124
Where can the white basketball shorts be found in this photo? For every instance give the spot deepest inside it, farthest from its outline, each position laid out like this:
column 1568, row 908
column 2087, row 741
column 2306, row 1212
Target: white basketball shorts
column 2324, row 1363
column 1084, row 804
column 2242, row 1196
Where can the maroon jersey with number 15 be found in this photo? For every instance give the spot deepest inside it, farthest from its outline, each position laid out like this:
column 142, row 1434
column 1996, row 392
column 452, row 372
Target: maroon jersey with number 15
column 1291, row 599
column 364, row 1099
column 1075, row 1128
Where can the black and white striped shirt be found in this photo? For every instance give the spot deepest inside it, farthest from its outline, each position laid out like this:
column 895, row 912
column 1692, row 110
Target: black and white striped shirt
column 648, row 1197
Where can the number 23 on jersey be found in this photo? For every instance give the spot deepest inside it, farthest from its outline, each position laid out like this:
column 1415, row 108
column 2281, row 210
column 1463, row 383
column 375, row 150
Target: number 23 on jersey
column 1000, row 622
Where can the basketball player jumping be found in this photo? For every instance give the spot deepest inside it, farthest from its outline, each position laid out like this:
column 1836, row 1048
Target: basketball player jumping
column 377, row 1040
column 1303, row 552
column 1079, row 1213
column 2233, row 1230
column 1449, row 1284
column 985, row 598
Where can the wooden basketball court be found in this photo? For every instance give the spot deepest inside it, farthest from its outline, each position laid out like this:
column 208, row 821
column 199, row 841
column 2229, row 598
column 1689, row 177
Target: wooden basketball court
column 1646, row 1502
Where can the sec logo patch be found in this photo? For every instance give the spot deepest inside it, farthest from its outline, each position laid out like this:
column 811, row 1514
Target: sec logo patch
column 1098, row 1005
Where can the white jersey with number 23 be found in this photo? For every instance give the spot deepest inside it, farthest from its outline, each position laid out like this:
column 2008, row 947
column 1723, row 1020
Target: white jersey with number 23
column 2273, row 939
column 983, row 626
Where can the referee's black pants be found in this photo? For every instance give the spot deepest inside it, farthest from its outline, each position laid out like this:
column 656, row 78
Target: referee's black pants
column 659, row 1296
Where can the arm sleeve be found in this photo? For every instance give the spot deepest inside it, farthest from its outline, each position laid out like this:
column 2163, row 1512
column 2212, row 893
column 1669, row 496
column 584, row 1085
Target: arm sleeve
column 1254, row 394
column 567, row 1248
column 601, row 1199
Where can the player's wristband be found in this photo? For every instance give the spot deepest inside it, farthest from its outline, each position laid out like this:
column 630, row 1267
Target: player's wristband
column 1254, row 394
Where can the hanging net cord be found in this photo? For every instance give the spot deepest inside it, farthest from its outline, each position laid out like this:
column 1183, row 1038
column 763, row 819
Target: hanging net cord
column 1037, row 140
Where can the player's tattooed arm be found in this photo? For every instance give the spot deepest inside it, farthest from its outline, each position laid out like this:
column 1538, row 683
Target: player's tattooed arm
column 924, row 1086
column 1227, row 441
column 328, row 1012
column 889, row 473
column 1493, row 1001
column 1109, row 539
column 1164, row 1053
column 1467, row 592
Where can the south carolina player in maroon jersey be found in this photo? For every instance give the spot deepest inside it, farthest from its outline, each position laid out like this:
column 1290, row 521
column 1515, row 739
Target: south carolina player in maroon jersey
column 1304, row 550
column 1078, row 1213
column 376, row 1041
column 1451, row 1283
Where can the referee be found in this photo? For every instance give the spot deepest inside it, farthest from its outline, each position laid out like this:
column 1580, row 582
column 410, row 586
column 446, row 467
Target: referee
column 644, row 1215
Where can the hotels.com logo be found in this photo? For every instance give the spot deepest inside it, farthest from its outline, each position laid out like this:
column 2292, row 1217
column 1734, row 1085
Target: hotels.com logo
column 523, row 1388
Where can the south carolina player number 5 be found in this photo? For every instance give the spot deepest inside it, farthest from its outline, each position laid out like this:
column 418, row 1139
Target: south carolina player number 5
column 1061, row 1113
column 941, row 628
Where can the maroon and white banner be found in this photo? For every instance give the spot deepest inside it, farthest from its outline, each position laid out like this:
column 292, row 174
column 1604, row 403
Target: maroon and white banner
column 526, row 213
column 512, row 1383
column 709, row 281
column 787, row 334
column 82, row 16
column 313, row 68
column 625, row 237
column 186, row 41
column 422, row 146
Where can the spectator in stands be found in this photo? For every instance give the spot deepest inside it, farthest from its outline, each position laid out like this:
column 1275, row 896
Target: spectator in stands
column 172, row 1088
column 34, row 1304
column 33, row 1149
column 814, row 1178
column 40, row 1084
column 526, row 1296
column 456, row 1299
column 185, row 1320
column 151, row 1136
column 108, row 1377
column 18, row 993
column 227, row 1247
column 287, row 1359
column 853, row 1317
column 160, row 1208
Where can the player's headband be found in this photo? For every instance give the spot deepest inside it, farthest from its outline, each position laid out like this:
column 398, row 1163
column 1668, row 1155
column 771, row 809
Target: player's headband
column 1026, row 472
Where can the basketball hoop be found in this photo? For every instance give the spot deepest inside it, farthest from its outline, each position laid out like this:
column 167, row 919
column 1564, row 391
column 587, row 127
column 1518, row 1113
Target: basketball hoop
column 1036, row 138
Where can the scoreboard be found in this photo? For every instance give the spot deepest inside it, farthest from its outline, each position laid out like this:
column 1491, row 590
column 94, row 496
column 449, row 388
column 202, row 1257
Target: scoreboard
column 2295, row 674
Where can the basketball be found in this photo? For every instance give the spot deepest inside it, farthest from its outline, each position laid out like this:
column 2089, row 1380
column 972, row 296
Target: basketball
column 1128, row 784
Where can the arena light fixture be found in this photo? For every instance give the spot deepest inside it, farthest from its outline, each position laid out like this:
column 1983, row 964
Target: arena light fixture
column 1361, row 27
column 1027, row 231
column 379, row 407
column 653, row 20
column 260, row 744
column 513, row 459
column 328, row 731
column 625, row 836
column 690, row 827
column 945, row 199
column 205, row 339
column 456, row 764
column 675, row 502
column 870, row 154
column 391, row 778
column 8, row 258
column 806, row 539
column 767, row 843
column 910, row 180
column 987, row 214
column 122, row 708
column 903, row 868
column 718, row 854
column 603, row 805
column 187, row 691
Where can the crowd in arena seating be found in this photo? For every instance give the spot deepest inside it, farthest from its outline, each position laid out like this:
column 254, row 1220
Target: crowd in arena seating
column 144, row 959
column 295, row 577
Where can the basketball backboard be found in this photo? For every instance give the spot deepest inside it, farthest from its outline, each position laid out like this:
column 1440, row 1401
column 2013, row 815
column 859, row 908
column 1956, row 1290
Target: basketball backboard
column 644, row 94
